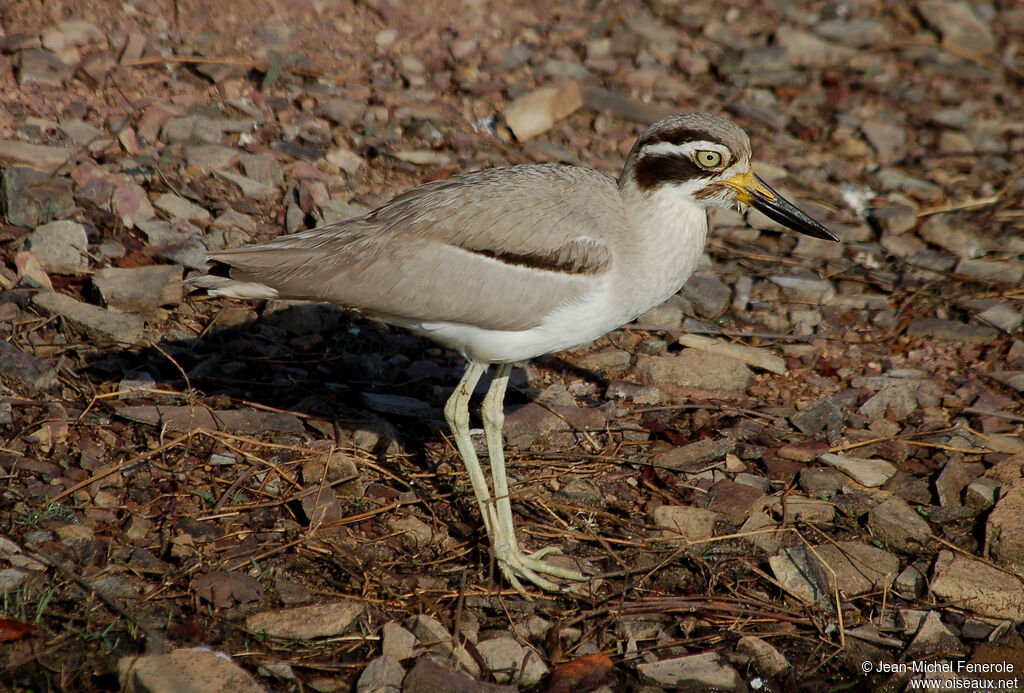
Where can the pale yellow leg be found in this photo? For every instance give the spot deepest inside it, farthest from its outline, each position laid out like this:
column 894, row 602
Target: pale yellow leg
column 513, row 562
column 456, row 412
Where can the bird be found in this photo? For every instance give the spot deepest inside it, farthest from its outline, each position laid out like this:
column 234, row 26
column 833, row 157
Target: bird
column 509, row 263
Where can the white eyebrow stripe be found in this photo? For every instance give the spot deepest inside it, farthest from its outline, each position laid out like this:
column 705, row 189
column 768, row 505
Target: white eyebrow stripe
column 686, row 149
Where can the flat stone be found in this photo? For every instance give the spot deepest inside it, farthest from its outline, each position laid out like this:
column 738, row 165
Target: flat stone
column 695, row 368
column 503, row 656
column 398, row 405
column 131, row 204
column 859, row 568
column 140, row 289
column 204, row 158
column 537, row 111
column 896, row 401
column 1002, row 316
column 178, row 241
column 910, row 583
column 895, row 523
column 382, row 675
column 958, row 25
column 765, row 659
column 894, row 219
column 1004, row 529
column 342, row 111
column 26, row 373
column 736, row 501
column 809, row 510
column 661, row 317
column 397, row 641
column 706, row 671
column 61, row 247
column 818, row 291
column 859, row 33
column 976, row 586
column 992, row 271
column 185, row 418
column 888, row 138
column 952, row 331
column 683, row 524
column 894, row 179
column 102, row 327
column 693, row 456
column 44, row 157
column 709, row 294
column 435, row 637
column 427, row 676
column 86, row 135
column 802, row 575
column 197, row 670
column 38, row 66
column 804, row 451
column 607, row 360
column 934, row 638
column 306, row 622
column 1014, row 379
column 821, row 415
column 868, row 472
column 32, row 197
column 807, row 50
column 180, row 208
column 951, row 233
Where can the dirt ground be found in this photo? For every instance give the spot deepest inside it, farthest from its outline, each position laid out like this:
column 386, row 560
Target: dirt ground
column 180, row 472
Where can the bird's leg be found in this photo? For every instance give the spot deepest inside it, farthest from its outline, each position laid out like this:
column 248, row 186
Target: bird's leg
column 513, row 562
column 456, row 412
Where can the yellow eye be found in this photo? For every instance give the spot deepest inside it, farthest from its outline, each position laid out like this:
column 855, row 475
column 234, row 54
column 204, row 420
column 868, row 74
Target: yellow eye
column 706, row 158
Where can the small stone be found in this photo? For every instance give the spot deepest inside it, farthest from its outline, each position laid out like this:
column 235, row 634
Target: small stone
column 682, row 524
column 910, row 583
column 706, row 671
column 894, row 179
column 539, row 110
column 32, row 197
column 809, row 510
column 934, row 638
column 709, row 294
column 868, row 472
column 503, row 657
column 342, row 111
column 180, row 208
column 397, row 642
column 103, row 327
column 382, row 675
column 859, row 33
column 130, row 203
column 61, row 246
column 951, row 331
column 38, row 66
column 86, row 135
column 958, row 25
column 605, row 361
column 887, row 137
column 1002, row 316
column 976, row 586
column 1004, row 529
column 661, row 317
column 306, row 622
column 694, row 455
column 695, row 368
column 859, row 568
column 204, row 158
column 43, row 157
column 894, row 523
column 894, row 220
column 951, row 233
column 821, row 415
column 801, row 574
column 140, row 289
column 251, row 189
column 992, row 271
column 25, row 373
column 818, row 291
column 894, row 401
column 765, row 659
column 804, row 451
column 345, row 159
column 178, row 241
column 199, row 670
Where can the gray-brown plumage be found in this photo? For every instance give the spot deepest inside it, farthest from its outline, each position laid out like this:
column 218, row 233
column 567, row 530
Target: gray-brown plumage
column 509, row 263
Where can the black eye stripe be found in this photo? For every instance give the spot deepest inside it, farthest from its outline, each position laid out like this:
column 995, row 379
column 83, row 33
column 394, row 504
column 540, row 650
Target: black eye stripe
column 654, row 170
column 681, row 136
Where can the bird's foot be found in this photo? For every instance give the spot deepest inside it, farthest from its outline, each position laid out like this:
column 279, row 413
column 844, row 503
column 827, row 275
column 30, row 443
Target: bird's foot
column 516, row 565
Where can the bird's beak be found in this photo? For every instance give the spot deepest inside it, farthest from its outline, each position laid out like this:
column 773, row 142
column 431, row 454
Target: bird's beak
column 752, row 190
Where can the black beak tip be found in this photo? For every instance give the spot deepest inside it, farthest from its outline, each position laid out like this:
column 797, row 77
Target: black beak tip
column 789, row 215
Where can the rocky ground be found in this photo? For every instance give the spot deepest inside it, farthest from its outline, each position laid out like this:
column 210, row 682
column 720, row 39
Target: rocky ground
column 803, row 472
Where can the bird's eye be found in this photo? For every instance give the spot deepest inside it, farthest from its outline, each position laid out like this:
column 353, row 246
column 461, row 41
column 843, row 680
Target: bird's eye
column 706, row 158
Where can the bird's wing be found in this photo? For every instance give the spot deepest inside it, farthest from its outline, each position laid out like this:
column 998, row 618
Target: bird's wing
column 498, row 249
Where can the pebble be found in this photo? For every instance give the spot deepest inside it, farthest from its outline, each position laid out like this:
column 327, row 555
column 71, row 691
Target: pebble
column 41, row 67
column 25, row 373
column 859, row 33
column 1004, row 529
column 818, row 291
column 537, row 111
column 991, row 271
column 868, row 472
column 61, row 247
column 33, row 197
column 894, row 219
column 951, row 331
column 692, row 456
column 976, row 586
column 382, row 675
column 140, row 289
column 958, row 25
column 683, row 524
column 802, row 575
column 897, row 401
column 397, row 642
column 709, row 294
column 950, row 233
column 198, row 669
column 695, row 368
column 1002, row 316
column 705, row 671
column 250, row 188
column 102, row 327
column 896, row 524
column 661, row 317
column 306, row 622
column 180, row 208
